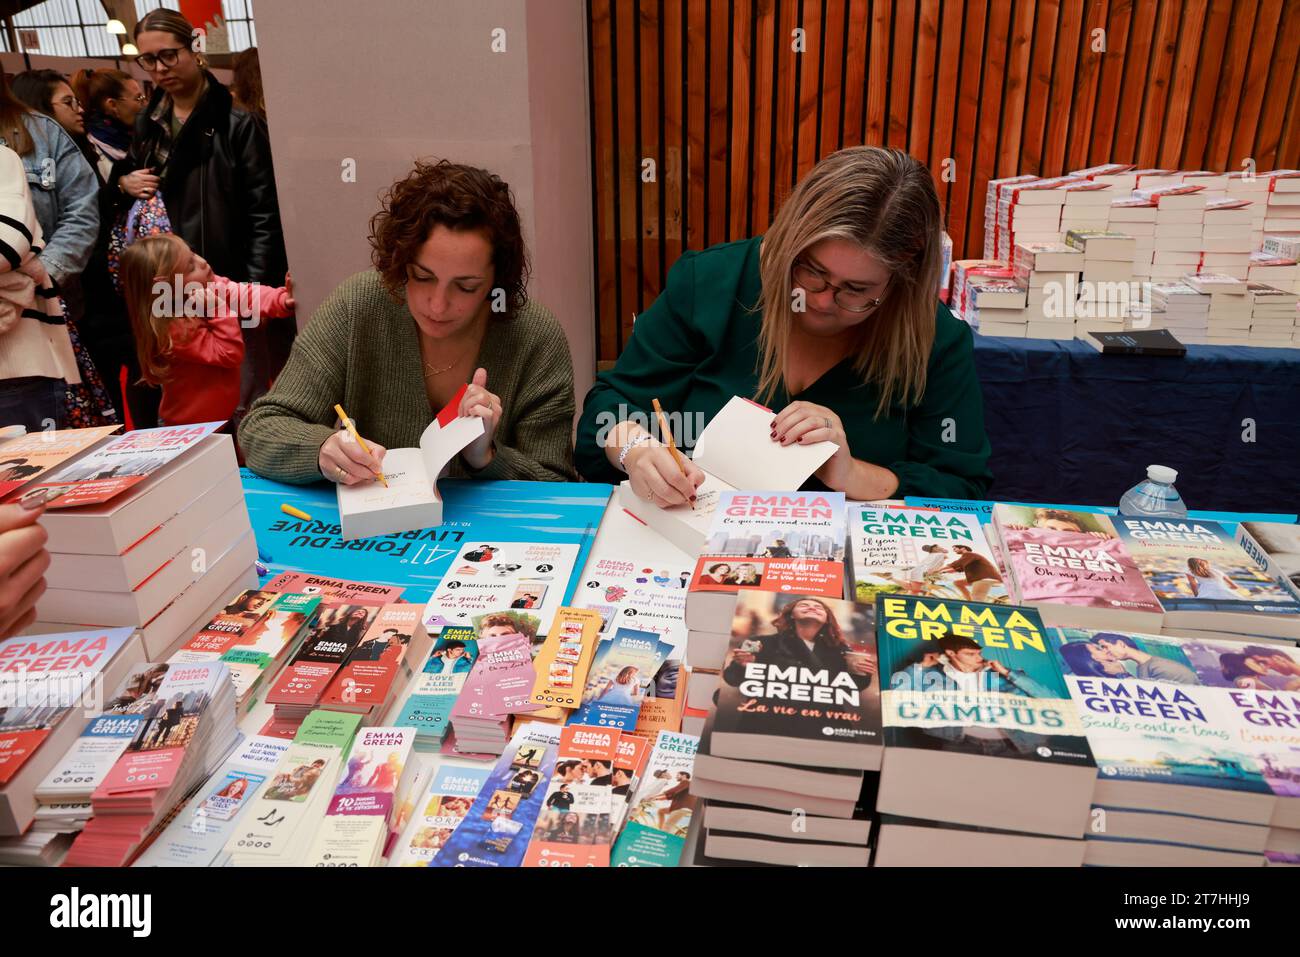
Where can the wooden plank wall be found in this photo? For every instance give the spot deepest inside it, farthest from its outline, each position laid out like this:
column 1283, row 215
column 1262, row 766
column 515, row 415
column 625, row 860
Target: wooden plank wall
column 733, row 105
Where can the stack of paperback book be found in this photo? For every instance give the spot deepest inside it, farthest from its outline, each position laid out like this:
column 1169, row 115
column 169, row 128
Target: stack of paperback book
column 1196, row 763
column 985, row 762
column 1282, row 214
column 1137, row 218
column 1050, row 272
column 1086, row 206
column 499, row 686
column 991, row 196
column 1107, row 268
column 65, row 794
column 1073, row 567
column 1255, row 188
column 48, row 685
column 997, row 307
column 1228, row 317
column 280, row 825
column 1225, row 237
column 1178, row 307
column 149, row 530
column 1279, row 251
column 1121, row 177
column 1180, row 221
column 1272, row 315
column 185, row 734
column 253, row 635
column 967, row 272
column 797, row 727
column 1030, row 212
column 762, row 542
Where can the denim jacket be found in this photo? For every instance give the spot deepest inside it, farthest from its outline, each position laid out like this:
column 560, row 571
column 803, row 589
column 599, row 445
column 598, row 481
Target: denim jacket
column 65, row 195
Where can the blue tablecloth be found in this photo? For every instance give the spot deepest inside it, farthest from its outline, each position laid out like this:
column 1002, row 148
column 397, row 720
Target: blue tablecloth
column 1068, row 424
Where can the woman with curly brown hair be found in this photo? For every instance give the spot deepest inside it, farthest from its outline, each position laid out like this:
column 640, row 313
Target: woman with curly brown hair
column 445, row 305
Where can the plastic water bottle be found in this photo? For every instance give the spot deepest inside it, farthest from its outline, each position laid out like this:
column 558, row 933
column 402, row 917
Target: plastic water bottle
column 1155, row 496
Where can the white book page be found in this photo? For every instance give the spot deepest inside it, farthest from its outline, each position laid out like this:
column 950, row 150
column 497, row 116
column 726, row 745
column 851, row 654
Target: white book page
column 440, row 444
column 737, row 447
column 409, row 483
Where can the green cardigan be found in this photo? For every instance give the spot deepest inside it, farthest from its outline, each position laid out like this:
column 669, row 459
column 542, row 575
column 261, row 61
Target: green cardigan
column 697, row 346
column 361, row 350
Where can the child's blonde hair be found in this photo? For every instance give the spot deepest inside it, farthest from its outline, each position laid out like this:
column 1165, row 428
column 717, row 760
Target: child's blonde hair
column 144, row 263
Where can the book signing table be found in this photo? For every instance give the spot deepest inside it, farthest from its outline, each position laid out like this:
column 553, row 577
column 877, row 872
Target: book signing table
column 563, row 674
column 1043, row 399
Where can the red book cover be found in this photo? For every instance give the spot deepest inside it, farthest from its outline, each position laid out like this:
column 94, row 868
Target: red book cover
column 334, row 631
column 367, row 676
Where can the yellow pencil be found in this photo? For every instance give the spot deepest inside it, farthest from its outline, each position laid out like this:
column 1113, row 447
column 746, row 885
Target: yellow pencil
column 672, row 445
column 359, row 440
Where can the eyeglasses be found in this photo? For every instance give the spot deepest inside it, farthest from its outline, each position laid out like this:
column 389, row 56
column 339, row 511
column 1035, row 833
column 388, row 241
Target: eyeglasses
column 166, row 57
column 71, row 102
column 810, row 279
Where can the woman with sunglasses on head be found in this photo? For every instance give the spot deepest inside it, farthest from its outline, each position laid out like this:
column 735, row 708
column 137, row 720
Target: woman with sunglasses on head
column 832, row 319
column 211, row 162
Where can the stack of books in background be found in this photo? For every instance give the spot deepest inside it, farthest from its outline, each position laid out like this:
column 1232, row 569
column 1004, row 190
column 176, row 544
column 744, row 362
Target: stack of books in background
column 1180, row 219
column 992, row 195
column 997, row 306
column 1030, row 213
column 1179, row 308
column 1272, row 316
column 1255, row 188
column 1137, row 218
column 1225, row 237
column 1050, row 273
column 1282, row 212
column 795, row 734
column 1106, row 294
column 1086, row 206
column 1279, row 252
column 1228, row 318
column 966, row 272
column 149, row 531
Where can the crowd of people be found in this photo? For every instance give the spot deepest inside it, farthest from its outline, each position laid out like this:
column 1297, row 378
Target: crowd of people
column 144, row 268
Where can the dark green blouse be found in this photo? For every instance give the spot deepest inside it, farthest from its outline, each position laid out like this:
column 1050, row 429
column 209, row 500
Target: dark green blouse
column 697, row 346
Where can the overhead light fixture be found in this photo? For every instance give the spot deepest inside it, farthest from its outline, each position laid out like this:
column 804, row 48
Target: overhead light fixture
column 116, row 27
column 130, row 50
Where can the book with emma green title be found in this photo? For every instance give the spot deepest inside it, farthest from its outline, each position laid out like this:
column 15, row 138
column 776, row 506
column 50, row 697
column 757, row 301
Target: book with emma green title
column 120, row 463
column 333, row 631
column 367, row 676
column 974, row 678
column 499, row 824
column 26, row 458
column 798, row 684
column 621, row 672
column 574, row 827
column 565, row 658
column 921, row 551
column 501, row 681
column 427, row 708
column 364, row 805
column 443, row 805
column 659, row 816
column 335, row 589
column 1147, row 715
column 1197, row 565
column 773, row 541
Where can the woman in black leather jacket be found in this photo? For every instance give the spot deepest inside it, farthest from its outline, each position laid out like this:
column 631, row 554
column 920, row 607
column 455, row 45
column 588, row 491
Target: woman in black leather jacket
column 212, row 163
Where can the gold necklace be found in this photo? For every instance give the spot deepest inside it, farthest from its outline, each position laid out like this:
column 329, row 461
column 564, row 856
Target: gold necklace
column 431, row 371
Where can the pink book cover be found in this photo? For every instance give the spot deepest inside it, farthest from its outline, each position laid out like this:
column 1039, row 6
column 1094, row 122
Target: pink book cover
column 1071, row 558
column 501, row 682
column 370, row 670
column 154, row 756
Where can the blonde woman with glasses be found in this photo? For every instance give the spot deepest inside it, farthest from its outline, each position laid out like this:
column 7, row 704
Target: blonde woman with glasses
column 833, row 321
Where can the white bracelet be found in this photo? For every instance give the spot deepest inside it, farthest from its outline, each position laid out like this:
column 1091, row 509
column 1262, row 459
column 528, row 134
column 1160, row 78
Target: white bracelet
column 640, row 438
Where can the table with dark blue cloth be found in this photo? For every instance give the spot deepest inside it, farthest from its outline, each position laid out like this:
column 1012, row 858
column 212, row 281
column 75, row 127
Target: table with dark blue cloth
column 1068, row 424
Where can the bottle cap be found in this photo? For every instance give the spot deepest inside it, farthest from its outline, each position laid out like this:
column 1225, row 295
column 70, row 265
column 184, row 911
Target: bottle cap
column 1162, row 473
